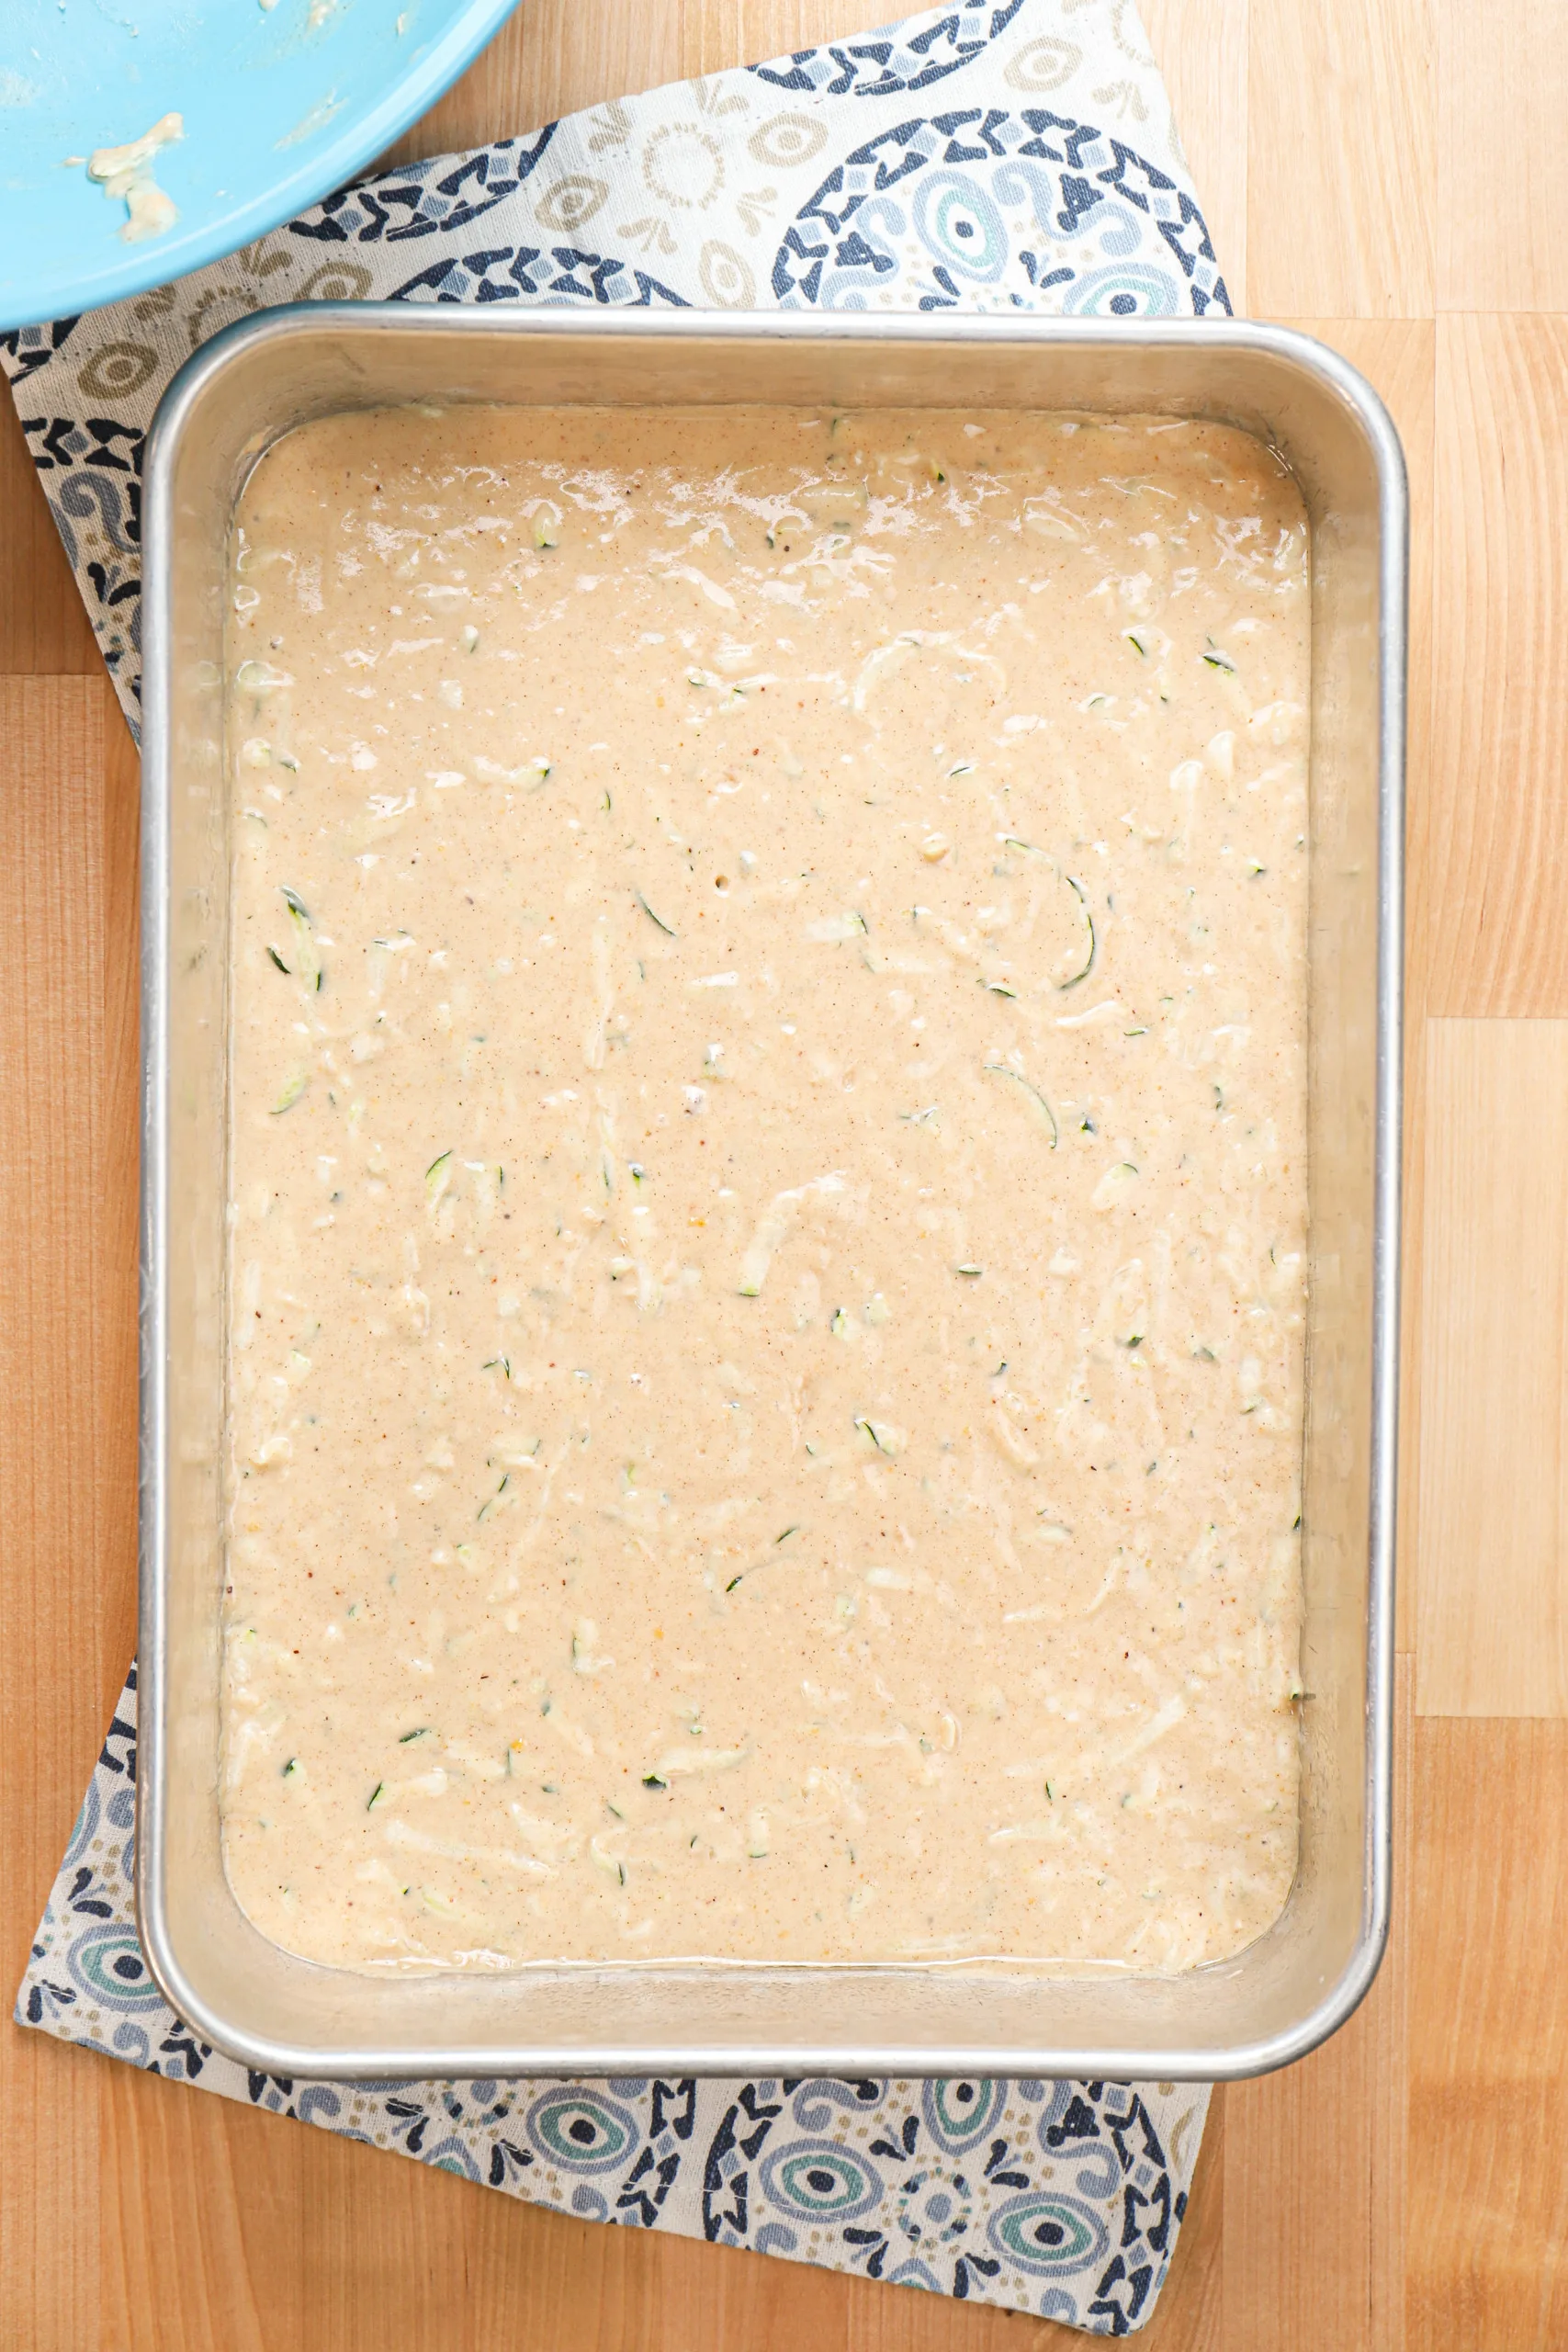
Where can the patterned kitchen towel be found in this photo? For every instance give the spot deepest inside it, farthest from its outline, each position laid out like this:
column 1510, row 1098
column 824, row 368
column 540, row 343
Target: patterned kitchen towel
column 1062, row 2198
column 988, row 155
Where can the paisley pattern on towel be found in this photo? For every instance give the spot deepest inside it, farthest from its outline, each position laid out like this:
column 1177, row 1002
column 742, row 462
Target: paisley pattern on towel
column 1062, row 2199
column 988, row 155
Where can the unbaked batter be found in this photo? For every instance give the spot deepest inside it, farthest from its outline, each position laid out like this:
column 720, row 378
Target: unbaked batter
column 767, row 1188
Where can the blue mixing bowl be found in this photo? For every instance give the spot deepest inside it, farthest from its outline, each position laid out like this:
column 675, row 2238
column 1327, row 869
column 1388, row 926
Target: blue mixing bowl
column 279, row 106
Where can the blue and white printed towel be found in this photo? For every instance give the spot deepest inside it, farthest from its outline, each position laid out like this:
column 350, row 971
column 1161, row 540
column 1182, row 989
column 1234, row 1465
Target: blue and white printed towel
column 990, row 154
column 986, row 154
column 1058, row 2197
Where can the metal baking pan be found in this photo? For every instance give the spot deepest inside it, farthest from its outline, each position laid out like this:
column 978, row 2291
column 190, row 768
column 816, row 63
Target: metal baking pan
column 1293, row 1986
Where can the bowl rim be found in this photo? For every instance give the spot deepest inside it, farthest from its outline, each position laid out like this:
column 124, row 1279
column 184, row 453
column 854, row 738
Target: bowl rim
column 31, row 297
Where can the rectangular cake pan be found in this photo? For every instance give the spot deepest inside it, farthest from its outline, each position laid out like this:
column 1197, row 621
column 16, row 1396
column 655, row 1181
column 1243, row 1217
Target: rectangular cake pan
column 1296, row 1983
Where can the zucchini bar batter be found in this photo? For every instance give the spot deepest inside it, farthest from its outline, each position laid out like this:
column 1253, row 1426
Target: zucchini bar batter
column 768, row 1188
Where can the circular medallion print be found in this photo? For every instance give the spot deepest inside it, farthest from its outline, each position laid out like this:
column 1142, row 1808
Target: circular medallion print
column 1026, row 210
column 959, row 2111
column 581, row 2130
column 818, row 2180
column 935, row 2208
column 107, row 1965
column 1044, row 2233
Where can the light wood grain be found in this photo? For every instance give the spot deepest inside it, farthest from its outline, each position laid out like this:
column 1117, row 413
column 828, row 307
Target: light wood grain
column 1315, row 2158
column 43, row 625
column 1491, row 1634
column 1502, row 74
column 555, row 56
column 304, row 2241
column 1495, row 939
column 1202, row 49
column 67, row 1464
column 1488, row 2263
column 1385, row 2026
column 551, row 58
column 1341, row 191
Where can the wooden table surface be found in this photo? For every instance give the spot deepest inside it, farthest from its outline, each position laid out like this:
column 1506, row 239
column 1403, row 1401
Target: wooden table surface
column 1387, row 173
